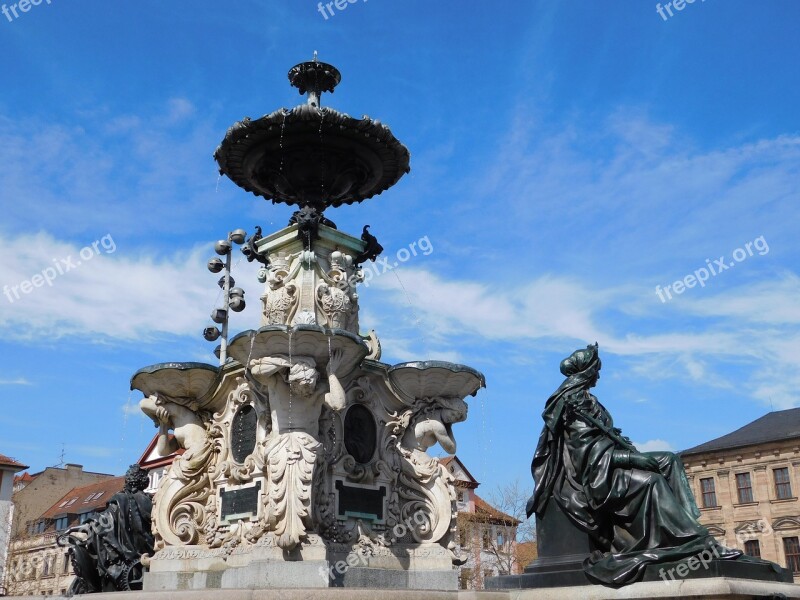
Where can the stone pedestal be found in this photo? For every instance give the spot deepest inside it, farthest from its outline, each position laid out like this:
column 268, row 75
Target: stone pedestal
column 563, row 548
column 715, row 588
column 412, row 567
column 702, row 589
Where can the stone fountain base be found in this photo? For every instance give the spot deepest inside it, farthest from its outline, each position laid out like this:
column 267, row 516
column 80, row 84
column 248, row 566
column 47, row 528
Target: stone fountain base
column 717, row 588
column 427, row 567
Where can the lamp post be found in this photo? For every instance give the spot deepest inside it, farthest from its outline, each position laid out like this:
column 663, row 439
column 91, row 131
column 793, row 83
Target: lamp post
column 232, row 297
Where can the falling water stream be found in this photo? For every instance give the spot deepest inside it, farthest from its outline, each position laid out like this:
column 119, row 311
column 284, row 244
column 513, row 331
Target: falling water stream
column 322, row 151
column 250, row 354
column 291, row 331
column 280, row 140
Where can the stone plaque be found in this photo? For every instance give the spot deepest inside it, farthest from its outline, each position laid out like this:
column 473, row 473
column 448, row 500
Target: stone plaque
column 360, row 502
column 239, row 504
column 243, row 433
column 360, row 433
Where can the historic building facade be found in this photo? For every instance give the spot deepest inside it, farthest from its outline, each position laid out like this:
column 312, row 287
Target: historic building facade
column 8, row 468
column 486, row 535
column 35, row 493
column 37, row 565
column 155, row 464
column 746, row 485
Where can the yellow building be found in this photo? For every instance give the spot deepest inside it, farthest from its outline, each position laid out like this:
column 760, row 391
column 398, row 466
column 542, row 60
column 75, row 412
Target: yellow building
column 746, row 486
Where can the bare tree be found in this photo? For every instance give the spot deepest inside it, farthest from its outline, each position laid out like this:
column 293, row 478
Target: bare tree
column 511, row 535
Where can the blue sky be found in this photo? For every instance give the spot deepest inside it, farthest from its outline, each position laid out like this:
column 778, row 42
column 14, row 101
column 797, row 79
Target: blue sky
column 567, row 158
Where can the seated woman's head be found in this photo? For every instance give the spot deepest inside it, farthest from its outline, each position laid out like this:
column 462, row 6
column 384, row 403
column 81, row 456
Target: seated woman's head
column 584, row 363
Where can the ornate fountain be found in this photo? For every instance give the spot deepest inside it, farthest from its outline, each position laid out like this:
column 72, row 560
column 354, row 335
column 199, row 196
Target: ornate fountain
column 303, row 460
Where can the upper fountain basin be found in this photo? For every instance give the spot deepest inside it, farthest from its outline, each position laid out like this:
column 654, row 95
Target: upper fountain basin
column 309, row 155
column 312, row 156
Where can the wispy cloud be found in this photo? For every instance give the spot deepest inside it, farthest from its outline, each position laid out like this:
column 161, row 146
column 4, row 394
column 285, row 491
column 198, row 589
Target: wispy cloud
column 654, row 446
column 552, row 311
column 128, row 295
column 18, row 381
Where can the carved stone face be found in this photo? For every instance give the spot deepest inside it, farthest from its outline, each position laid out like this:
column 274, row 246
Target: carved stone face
column 275, row 278
column 303, row 379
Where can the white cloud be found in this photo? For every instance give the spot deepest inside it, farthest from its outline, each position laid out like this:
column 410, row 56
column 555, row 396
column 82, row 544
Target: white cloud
column 553, row 310
column 126, row 295
column 654, row 446
column 18, row 381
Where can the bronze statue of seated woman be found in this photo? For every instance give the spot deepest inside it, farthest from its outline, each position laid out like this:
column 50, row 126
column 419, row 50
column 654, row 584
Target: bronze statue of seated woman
column 636, row 507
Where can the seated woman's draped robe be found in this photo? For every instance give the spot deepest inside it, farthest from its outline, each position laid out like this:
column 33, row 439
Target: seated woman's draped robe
column 635, row 517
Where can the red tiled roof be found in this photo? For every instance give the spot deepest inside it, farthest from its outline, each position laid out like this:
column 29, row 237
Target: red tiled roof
column 158, row 462
column 25, row 477
column 5, row 461
column 526, row 552
column 485, row 512
column 85, row 498
column 472, row 484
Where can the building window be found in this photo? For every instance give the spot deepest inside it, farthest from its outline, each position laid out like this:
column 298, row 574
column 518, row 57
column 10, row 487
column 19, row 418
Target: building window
column 783, row 488
column 791, row 547
column 744, row 488
column 62, row 523
column 40, row 526
column 752, row 548
column 500, row 539
column 486, row 539
column 709, row 492
column 83, row 517
column 466, row 579
column 47, row 566
column 66, row 563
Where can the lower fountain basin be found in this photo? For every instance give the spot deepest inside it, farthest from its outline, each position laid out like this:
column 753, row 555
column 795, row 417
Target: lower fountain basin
column 300, row 340
column 183, row 383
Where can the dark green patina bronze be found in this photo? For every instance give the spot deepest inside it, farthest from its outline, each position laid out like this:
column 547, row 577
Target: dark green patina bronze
column 607, row 513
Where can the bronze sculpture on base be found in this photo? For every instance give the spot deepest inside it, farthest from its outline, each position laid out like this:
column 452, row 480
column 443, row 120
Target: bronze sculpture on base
column 106, row 550
column 607, row 513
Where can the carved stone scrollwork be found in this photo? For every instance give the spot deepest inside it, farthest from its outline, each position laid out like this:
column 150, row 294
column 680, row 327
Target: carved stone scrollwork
column 290, row 463
column 279, row 302
column 179, row 505
column 221, row 432
column 336, row 304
